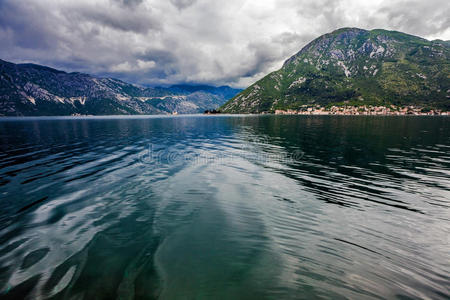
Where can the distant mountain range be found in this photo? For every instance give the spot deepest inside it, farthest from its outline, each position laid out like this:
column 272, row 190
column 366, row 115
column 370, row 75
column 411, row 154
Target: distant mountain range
column 352, row 66
column 34, row 90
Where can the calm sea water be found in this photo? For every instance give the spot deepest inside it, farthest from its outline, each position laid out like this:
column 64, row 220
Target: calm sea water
column 225, row 207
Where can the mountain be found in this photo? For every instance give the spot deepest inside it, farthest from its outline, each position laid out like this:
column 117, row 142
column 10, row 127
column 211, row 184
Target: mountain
column 352, row 66
column 223, row 91
column 33, row 90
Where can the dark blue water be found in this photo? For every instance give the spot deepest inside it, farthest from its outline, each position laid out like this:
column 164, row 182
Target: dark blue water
column 220, row 207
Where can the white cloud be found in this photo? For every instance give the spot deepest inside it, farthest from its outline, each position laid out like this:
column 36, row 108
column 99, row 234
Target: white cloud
column 200, row 41
column 140, row 65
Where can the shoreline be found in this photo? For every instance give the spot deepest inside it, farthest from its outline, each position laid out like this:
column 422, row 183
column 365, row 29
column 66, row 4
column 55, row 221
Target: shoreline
column 309, row 111
column 109, row 117
column 364, row 111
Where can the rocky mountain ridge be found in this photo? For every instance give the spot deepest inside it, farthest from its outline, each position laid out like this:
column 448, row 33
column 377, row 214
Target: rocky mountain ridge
column 352, row 66
column 29, row 89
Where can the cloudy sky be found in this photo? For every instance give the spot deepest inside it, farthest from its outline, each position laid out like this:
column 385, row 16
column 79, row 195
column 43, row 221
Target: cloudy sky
column 162, row 42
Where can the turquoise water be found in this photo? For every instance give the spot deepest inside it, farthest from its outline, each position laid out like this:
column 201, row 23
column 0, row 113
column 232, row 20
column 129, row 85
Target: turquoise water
column 225, row 207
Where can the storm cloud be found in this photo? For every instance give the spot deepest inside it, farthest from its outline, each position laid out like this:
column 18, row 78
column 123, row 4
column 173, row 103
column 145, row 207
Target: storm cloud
column 158, row 42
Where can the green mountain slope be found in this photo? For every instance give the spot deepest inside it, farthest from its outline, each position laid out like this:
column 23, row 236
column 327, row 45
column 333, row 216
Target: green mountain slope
column 355, row 67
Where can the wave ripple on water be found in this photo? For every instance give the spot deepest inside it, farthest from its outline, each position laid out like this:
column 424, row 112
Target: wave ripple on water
column 225, row 207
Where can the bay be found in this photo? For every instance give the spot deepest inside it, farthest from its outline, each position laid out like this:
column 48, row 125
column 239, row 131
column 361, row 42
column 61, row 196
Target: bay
column 225, row 207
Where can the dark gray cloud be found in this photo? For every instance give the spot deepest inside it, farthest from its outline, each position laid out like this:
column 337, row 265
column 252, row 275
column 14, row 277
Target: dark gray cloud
column 181, row 4
column 154, row 42
column 131, row 3
column 19, row 27
column 132, row 21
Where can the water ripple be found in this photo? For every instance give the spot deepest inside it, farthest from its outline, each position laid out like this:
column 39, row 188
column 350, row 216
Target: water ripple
column 225, row 207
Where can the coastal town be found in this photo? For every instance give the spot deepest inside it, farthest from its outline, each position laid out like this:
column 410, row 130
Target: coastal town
column 364, row 110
